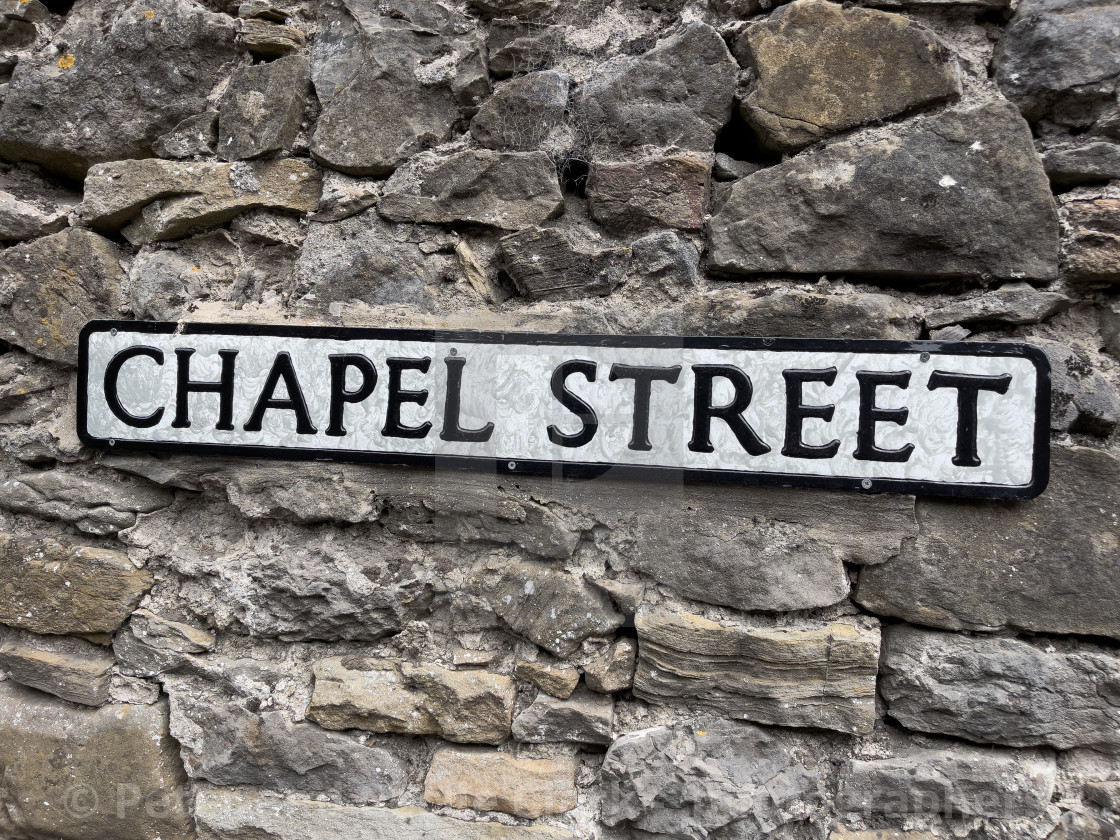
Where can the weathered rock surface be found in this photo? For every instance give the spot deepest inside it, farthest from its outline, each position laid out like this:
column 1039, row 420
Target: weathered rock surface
column 522, row 112
column 92, row 506
column 486, row 780
column 555, row 678
column 31, row 206
column 87, row 775
column 666, row 262
column 197, row 135
column 545, row 265
column 152, row 644
column 506, row 190
column 228, row 745
column 51, row 287
column 1046, row 565
column 613, row 669
column 1105, row 794
column 1058, row 60
column 113, row 80
column 50, row 586
column 1001, row 691
column 521, row 8
column 384, row 696
column 1081, row 398
column 821, row 68
column 1069, row 166
column 1014, row 303
column 1080, row 825
column 842, row 833
column 519, row 46
column 581, row 718
column 70, row 668
column 262, row 108
column 244, row 815
column 962, row 194
column 678, row 94
column 664, row 192
column 963, row 781
column 1091, row 235
column 813, row 674
column 687, row 783
column 269, row 40
column 345, row 196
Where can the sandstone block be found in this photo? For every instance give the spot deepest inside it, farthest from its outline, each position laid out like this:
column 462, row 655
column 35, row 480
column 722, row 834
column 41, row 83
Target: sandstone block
column 842, row 833
column 1001, row 691
column 555, row 678
column 1090, row 234
column 685, row 783
column 92, row 506
column 613, row 670
column 269, row 40
column 915, row 199
column 486, row 780
column 72, row 669
column 262, row 108
column 1046, row 565
column 385, row 696
column 964, row 781
column 507, row 190
column 814, row 674
column 86, row 775
column 522, row 112
column 246, row 815
column 1014, row 303
column 545, row 265
column 582, row 718
column 664, row 192
column 822, row 68
column 49, row 586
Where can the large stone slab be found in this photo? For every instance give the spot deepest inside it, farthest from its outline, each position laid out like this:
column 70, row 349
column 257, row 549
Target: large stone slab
column 78, row 774
column 114, row 79
column 247, row 815
column 963, row 781
column 414, row 699
column 50, row 586
column 810, row 674
column 959, row 194
column 51, row 287
column 486, row 780
column 821, row 68
column 73, row 669
column 1047, row 565
column 1001, row 691
column 687, row 783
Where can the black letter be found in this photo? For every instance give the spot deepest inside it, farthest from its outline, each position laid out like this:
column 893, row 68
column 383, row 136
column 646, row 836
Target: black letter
column 393, row 427
column 968, row 387
column 186, row 386
column 870, row 414
column 643, row 377
column 113, row 371
column 703, row 411
column 574, row 404
column 797, row 412
column 282, row 368
column 339, row 395
column 451, row 428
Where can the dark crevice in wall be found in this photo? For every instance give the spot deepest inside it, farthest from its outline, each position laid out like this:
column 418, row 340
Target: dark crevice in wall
column 58, row 7
column 739, row 141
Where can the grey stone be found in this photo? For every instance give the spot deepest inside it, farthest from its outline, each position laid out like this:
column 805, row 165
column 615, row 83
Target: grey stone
column 663, row 192
column 92, row 506
column 344, row 196
column 471, row 707
column 528, row 9
column 488, row 780
column 954, row 333
column 921, row 5
column 51, row 287
column 113, row 81
column 790, row 313
column 482, row 280
column 678, row 94
column 1014, row 303
column 959, row 194
column 1105, row 794
column 21, row 220
column 1001, row 691
column 581, row 718
column 70, row 668
column 666, row 262
column 810, row 673
column 247, row 815
column 264, row 10
column 164, row 281
column 270, row 227
column 30, row 389
column 613, row 669
column 262, row 108
column 963, row 781
column 270, row 40
column 555, row 678
column 61, row 587
column 554, row 609
column 522, row 112
column 723, row 779
column 1090, row 235
column 1046, row 565
column 727, row 168
column 506, row 190
column 152, row 645
column 517, row 46
column 626, row 596
column 1069, row 166
column 1081, row 825
column 821, row 68
column 78, row 774
column 1058, row 60
column 226, row 744
column 1081, row 398
column 545, row 265
column 197, row 135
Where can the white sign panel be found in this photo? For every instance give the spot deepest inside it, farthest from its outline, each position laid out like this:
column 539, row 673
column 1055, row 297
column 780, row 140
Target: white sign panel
column 963, row 419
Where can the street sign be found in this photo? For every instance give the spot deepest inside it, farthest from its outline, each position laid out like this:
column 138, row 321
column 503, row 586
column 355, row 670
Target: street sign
column 956, row 419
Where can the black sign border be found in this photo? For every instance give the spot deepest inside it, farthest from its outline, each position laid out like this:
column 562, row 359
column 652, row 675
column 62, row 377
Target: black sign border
column 1040, row 469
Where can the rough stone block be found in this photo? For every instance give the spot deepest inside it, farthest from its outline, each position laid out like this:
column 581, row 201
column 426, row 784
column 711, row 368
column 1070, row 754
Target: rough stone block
column 555, row 678
column 486, row 780
column 545, row 265
column 269, row 40
column 1091, row 234
column 262, row 108
column 522, row 112
column 582, row 718
column 72, row 669
column 152, row 644
column 92, row 506
column 1071, row 165
column 664, row 192
column 1014, row 303
column 613, row 669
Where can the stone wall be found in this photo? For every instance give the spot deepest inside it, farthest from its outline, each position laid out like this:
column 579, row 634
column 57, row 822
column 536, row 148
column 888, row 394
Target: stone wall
column 237, row 650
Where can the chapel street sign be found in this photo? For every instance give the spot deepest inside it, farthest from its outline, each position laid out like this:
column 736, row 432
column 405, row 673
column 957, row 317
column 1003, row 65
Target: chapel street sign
column 955, row 419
